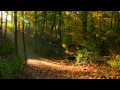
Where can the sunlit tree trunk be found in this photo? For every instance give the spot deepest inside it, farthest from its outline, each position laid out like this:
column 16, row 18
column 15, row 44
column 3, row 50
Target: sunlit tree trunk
column 12, row 19
column 15, row 23
column 6, row 27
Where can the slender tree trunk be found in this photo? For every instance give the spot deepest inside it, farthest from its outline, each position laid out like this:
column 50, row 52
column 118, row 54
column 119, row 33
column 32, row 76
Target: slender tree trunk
column 111, row 19
column 118, row 19
column 25, row 57
column 35, row 30
column 12, row 19
column 84, row 23
column 15, row 22
column 0, row 35
column 100, row 24
column 114, row 20
column 55, row 22
column 44, row 17
column 53, row 25
column 84, row 20
column 19, row 26
column 6, row 27
column 29, row 25
column 1, row 19
column 59, row 29
column 1, row 23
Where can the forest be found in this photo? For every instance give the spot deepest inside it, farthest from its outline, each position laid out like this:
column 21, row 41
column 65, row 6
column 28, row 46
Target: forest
column 59, row 45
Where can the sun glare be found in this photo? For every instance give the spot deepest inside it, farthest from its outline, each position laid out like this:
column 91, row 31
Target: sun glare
column 4, row 16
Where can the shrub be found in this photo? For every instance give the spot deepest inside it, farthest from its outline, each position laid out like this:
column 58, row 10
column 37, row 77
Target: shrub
column 83, row 56
column 115, row 62
column 11, row 67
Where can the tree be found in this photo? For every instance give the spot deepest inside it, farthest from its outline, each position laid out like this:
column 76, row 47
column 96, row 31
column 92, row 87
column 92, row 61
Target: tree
column 59, row 29
column 6, row 25
column 5, row 28
column 35, row 30
column 52, row 30
column 1, row 20
column 23, row 36
column 84, row 22
column 1, row 23
column 44, row 18
column 15, row 23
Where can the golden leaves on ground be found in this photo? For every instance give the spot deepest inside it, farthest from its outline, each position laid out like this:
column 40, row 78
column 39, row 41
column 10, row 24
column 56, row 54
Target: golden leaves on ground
column 40, row 69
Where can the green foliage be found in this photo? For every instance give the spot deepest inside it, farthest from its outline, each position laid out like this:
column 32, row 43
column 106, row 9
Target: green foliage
column 115, row 62
column 89, row 46
column 7, row 50
column 83, row 56
column 11, row 67
column 10, row 25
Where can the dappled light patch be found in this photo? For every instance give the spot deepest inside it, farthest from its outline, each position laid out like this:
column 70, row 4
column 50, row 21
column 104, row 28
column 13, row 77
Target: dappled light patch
column 53, row 70
column 43, row 69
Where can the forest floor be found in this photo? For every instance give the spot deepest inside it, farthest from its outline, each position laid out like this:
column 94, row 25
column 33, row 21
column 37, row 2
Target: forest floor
column 41, row 68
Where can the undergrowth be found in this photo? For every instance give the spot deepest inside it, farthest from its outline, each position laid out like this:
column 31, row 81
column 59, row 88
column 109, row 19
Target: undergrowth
column 11, row 66
column 115, row 61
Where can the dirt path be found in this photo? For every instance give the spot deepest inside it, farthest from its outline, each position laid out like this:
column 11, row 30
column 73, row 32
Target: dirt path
column 52, row 70
column 41, row 68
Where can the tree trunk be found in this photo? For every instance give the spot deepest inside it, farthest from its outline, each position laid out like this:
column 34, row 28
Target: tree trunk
column 53, row 25
column 111, row 20
column 35, row 30
column 84, row 23
column 1, row 23
column 59, row 29
column 6, row 27
column 84, row 20
column 1, row 19
column 44, row 17
column 29, row 25
column 100, row 24
column 118, row 19
column 15, row 23
column 24, row 38
column 12, row 19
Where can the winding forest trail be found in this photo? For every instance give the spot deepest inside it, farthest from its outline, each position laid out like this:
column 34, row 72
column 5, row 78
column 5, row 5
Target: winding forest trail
column 41, row 68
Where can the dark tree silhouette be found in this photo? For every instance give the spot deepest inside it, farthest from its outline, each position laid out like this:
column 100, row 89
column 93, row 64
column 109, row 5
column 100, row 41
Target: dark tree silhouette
column 15, row 23
column 23, row 36
column 59, row 29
